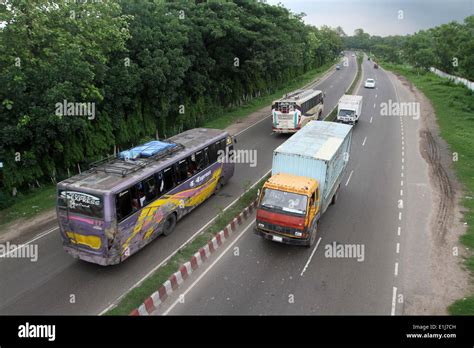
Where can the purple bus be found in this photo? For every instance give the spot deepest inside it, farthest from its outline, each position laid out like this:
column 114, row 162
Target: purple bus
column 121, row 204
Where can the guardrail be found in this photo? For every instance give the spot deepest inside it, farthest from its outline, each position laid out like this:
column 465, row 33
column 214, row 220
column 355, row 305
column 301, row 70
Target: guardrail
column 456, row 79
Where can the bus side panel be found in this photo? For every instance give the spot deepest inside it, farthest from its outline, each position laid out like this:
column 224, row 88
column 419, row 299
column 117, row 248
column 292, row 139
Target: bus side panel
column 141, row 228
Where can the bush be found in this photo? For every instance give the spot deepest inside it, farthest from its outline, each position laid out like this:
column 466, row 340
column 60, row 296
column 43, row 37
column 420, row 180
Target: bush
column 5, row 200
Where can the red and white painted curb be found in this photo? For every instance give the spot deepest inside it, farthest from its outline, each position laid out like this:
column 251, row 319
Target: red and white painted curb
column 173, row 282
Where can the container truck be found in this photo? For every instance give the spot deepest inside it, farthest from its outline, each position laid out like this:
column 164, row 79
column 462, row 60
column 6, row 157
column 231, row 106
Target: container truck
column 349, row 109
column 307, row 170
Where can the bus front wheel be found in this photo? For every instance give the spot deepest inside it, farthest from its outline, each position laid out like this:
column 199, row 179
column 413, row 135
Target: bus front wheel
column 170, row 224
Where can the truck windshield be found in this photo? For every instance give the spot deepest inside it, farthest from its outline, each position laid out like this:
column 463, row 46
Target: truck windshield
column 344, row 112
column 284, row 201
column 81, row 203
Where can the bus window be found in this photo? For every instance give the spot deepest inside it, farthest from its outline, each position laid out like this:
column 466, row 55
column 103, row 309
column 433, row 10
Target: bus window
column 199, row 157
column 206, row 156
column 151, row 191
column 182, row 170
column 212, row 153
column 165, row 181
column 123, row 204
column 138, row 194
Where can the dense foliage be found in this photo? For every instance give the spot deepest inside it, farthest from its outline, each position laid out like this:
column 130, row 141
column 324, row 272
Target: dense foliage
column 146, row 68
column 448, row 47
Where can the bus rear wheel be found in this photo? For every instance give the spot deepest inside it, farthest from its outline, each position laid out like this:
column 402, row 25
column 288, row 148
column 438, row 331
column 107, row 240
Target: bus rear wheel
column 169, row 225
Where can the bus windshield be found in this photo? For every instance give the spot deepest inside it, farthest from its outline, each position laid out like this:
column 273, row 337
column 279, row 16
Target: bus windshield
column 81, row 203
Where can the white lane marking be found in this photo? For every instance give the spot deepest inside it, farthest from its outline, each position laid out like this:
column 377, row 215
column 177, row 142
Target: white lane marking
column 21, row 246
column 403, row 153
column 399, row 215
column 375, row 95
column 401, row 174
column 403, row 160
column 365, row 139
column 396, row 269
column 398, row 248
column 403, row 142
column 401, row 192
column 403, row 167
column 371, row 119
column 183, row 295
column 350, row 175
column 394, row 300
column 401, row 183
column 176, row 250
column 310, row 257
column 243, row 130
column 399, row 230
column 374, row 105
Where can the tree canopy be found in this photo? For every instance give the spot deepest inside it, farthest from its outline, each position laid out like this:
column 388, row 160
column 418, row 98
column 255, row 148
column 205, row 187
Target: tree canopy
column 148, row 68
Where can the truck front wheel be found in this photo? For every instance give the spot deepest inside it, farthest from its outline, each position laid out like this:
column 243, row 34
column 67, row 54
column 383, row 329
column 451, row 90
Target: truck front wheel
column 312, row 236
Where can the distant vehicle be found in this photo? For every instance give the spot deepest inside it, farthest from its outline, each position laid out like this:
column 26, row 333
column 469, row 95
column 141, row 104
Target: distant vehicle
column 294, row 110
column 376, row 66
column 338, row 67
column 369, row 83
column 121, row 204
column 306, row 176
column 368, row 58
column 353, row 55
column 349, row 109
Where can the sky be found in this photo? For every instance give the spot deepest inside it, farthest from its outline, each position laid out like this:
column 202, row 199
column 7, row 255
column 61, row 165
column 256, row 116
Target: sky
column 380, row 17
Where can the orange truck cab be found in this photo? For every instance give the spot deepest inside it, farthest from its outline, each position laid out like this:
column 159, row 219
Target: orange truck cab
column 288, row 209
column 307, row 171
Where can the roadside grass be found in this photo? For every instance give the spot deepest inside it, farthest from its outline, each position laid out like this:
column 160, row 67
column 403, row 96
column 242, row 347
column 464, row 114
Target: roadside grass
column 29, row 205
column 360, row 56
column 136, row 296
column 454, row 106
column 255, row 104
column 38, row 201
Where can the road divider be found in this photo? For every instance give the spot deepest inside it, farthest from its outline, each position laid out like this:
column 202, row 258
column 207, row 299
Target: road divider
column 332, row 115
column 137, row 296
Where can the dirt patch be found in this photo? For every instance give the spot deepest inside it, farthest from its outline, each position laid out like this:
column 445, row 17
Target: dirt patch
column 21, row 230
column 449, row 278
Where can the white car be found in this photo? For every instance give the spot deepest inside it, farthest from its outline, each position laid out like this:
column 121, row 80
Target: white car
column 369, row 83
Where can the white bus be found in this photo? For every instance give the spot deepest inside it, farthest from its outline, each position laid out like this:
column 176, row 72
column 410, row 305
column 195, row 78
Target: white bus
column 294, row 110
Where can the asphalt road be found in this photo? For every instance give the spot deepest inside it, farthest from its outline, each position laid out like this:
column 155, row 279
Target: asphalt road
column 58, row 284
column 384, row 205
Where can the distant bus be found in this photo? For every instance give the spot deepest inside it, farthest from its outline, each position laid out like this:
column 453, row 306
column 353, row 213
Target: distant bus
column 294, row 110
column 121, row 204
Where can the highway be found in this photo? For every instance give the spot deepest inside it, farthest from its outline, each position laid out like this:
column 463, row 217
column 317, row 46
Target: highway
column 384, row 205
column 59, row 284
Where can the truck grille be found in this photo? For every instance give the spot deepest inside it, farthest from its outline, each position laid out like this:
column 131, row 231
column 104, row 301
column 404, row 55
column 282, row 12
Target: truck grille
column 277, row 228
